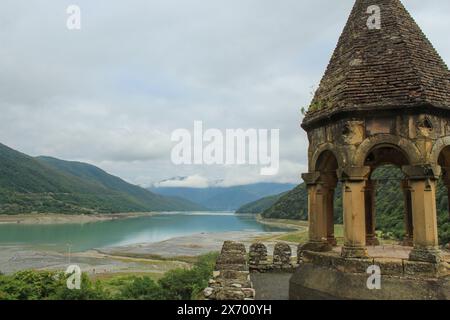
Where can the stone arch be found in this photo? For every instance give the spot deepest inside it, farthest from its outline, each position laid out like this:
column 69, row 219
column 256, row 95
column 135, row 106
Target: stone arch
column 441, row 156
column 408, row 148
column 383, row 154
column 376, row 152
column 326, row 162
column 438, row 147
column 324, row 148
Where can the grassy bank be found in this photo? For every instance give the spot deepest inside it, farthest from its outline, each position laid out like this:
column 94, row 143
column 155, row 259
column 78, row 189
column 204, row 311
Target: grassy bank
column 300, row 235
column 177, row 284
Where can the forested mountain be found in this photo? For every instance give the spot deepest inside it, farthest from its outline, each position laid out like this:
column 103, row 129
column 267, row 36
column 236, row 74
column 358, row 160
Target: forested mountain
column 389, row 204
column 49, row 185
column 225, row 198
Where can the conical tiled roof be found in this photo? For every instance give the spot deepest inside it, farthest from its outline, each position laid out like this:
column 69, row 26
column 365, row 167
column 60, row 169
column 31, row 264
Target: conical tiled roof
column 395, row 66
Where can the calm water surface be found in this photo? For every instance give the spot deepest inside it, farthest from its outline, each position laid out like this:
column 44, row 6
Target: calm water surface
column 160, row 227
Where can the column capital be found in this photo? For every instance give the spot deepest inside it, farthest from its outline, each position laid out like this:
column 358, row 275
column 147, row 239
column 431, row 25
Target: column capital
column 404, row 184
column 354, row 173
column 311, row 178
column 318, row 178
column 422, row 172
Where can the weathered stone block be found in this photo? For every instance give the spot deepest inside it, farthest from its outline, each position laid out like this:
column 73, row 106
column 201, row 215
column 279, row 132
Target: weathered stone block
column 258, row 261
column 232, row 257
column 389, row 266
column 415, row 268
column 282, row 254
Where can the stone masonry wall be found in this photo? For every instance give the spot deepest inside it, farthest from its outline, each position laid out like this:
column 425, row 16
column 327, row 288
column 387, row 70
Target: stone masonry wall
column 231, row 278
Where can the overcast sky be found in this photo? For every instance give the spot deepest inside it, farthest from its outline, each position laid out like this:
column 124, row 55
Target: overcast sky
column 112, row 93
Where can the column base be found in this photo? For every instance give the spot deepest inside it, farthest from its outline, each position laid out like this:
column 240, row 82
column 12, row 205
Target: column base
column 408, row 242
column 332, row 241
column 432, row 255
column 316, row 246
column 354, row 252
column 372, row 241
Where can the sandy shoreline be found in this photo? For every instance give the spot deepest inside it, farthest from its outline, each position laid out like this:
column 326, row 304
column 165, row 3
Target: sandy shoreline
column 190, row 245
column 292, row 225
column 37, row 218
column 132, row 258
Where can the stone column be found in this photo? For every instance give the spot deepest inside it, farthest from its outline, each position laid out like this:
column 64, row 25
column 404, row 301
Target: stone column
column 317, row 196
column 425, row 232
column 422, row 182
column 330, row 217
column 448, row 197
column 369, row 194
column 317, row 213
column 447, row 185
column 446, row 179
column 409, row 230
column 354, row 182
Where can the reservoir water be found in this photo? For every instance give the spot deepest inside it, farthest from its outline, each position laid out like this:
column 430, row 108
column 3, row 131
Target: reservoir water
column 80, row 237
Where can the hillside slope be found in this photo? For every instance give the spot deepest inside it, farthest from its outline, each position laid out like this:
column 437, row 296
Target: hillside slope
column 48, row 185
column 260, row 205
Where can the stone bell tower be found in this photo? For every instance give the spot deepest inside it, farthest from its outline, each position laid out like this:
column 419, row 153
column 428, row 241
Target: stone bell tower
column 384, row 99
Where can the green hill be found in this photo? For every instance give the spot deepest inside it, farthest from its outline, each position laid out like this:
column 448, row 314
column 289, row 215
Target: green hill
column 389, row 205
column 49, row 185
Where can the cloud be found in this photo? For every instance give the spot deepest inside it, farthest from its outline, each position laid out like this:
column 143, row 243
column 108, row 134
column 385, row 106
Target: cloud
column 112, row 93
column 186, row 182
